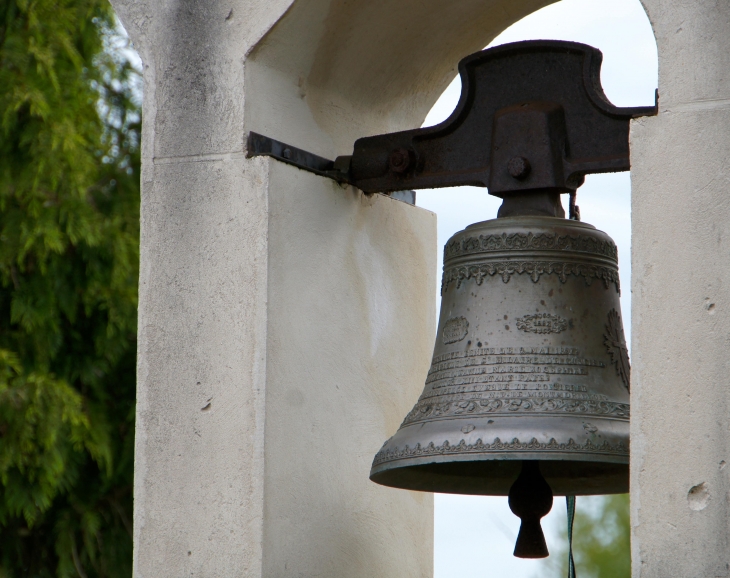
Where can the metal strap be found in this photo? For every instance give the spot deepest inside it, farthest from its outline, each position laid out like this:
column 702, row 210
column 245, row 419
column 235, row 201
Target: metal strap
column 570, row 502
column 260, row 145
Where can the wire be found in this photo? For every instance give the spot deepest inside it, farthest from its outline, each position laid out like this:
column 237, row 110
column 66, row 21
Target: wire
column 570, row 503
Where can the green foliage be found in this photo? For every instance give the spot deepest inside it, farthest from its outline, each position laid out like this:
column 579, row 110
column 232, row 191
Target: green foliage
column 601, row 539
column 69, row 233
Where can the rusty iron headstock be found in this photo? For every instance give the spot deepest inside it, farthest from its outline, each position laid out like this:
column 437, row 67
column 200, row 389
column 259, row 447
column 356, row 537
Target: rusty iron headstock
column 532, row 115
column 532, row 118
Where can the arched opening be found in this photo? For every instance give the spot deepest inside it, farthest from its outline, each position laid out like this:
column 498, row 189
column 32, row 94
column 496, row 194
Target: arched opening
column 328, row 84
column 337, row 82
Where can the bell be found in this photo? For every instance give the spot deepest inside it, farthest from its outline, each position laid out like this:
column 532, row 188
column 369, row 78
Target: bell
column 528, row 390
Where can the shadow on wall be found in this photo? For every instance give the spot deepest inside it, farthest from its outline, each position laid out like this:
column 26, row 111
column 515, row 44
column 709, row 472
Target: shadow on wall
column 367, row 67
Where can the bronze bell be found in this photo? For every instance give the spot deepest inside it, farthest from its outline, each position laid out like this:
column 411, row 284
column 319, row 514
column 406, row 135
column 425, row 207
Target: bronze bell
column 528, row 391
column 530, row 371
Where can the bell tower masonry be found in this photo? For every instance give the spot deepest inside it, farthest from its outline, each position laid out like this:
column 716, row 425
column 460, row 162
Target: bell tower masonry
column 680, row 407
column 287, row 321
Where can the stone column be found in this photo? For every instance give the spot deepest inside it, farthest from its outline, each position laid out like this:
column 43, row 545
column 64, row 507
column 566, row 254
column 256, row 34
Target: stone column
column 286, row 323
column 680, row 404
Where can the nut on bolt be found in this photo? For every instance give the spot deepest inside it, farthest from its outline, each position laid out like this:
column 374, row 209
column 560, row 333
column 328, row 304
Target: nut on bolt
column 518, row 167
column 401, row 160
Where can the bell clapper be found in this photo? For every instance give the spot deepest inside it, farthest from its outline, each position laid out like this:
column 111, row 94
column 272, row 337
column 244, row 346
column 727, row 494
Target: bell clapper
column 530, row 499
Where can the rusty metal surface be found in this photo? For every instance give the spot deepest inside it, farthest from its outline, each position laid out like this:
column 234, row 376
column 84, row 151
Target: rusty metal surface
column 260, row 145
column 532, row 115
column 530, row 363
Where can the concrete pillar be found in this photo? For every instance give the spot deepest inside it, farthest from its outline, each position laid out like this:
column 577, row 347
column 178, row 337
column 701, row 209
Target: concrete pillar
column 680, row 402
column 285, row 322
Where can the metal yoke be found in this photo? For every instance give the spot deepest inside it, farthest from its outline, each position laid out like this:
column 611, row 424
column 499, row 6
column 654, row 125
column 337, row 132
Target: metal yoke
column 532, row 118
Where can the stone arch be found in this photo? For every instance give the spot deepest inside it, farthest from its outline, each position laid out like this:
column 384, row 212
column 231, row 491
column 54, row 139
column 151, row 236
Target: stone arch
column 349, row 69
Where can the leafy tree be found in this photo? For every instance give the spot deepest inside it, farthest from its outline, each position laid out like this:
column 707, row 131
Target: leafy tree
column 601, row 539
column 69, row 231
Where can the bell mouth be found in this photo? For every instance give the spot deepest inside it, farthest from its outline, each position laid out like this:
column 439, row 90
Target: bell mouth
column 482, row 455
column 495, row 476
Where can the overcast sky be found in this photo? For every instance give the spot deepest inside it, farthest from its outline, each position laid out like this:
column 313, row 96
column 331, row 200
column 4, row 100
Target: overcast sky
column 475, row 535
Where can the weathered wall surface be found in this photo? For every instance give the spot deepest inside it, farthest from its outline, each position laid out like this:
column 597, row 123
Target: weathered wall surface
column 680, row 402
column 202, row 353
column 275, row 358
column 199, row 459
column 349, row 326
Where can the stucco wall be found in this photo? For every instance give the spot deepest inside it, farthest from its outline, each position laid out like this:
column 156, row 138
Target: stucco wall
column 351, row 287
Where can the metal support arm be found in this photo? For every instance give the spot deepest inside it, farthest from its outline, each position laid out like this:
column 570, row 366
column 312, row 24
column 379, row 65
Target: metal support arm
column 532, row 118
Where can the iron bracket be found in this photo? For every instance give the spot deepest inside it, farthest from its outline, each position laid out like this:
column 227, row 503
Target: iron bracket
column 260, row 145
column 532, row 116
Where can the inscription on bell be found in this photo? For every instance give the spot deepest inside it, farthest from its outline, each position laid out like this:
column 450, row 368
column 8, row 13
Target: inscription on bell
column 542, row 323
column 506, row 372
column 455, row 329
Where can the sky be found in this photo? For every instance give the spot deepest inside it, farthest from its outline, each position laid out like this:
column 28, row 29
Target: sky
column 474, row 535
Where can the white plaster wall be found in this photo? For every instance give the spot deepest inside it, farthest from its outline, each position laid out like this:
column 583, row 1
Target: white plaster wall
column 239, row 381
column 284, row 332
column 351, row 288
column 680, row 401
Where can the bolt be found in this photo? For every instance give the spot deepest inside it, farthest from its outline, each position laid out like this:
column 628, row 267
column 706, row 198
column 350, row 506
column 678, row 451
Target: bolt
column 518, row 167
column 400, row 160
column 286, row 153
